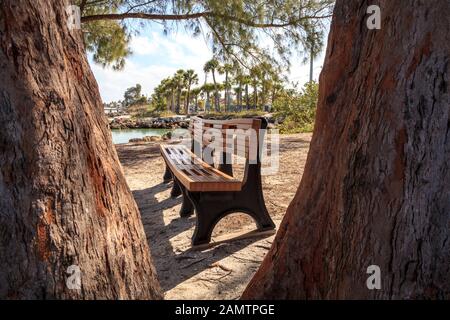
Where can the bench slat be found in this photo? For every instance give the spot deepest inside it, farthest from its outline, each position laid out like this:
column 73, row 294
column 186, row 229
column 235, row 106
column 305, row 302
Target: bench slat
column 178, row 159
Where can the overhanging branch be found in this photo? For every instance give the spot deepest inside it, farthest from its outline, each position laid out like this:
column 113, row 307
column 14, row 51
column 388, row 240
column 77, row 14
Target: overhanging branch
column 190, row 16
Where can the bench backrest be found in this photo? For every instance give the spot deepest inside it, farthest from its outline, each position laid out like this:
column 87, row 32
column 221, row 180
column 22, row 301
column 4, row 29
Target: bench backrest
column 240, row 137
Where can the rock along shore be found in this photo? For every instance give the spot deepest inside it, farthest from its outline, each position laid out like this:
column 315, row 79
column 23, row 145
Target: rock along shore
column 125, row 122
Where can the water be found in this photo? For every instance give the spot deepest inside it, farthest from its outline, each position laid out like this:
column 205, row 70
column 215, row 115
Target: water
column 124, row 135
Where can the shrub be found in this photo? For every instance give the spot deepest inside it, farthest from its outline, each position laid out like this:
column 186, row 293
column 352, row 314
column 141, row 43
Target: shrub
column 297, row 110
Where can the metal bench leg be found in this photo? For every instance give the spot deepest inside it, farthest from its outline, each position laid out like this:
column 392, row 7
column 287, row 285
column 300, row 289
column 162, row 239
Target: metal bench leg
column 187, row 208
column 167, row 175
column 205, row 222
column 251, row 199
column 210, row 208
column 259, row 213
column 176, row 190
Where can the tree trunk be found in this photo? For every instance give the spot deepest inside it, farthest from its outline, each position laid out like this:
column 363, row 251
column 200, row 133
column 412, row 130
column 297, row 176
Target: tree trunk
column 188, row 98
column 217, row 97
column 173, row 101
column 240, row 97
column 226, row 93
column 255, row 97
column 207, row 106
column 247, row 97
column 178, row 106
column 263, row 94
column 63, row 198
column 216, row 105
column 376, row 187
column 274, row 93
column 168, row 103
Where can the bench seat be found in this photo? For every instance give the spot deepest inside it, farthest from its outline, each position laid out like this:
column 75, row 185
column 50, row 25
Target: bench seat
column 195, row 174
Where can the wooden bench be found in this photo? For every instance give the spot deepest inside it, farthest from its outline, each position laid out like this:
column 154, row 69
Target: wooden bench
column 211, row 192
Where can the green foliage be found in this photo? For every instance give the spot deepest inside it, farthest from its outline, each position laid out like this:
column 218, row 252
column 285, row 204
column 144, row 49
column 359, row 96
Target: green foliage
column 297, row 109
column 150, row 111
column 158, row 101
column 191, row 77
column 162, row 95
column 107, row 40
column 239, row 26
column 174, row 92
column 133, row 96
column 213, row 66
column 234, row 115
column 255, row 88
column 235, row 28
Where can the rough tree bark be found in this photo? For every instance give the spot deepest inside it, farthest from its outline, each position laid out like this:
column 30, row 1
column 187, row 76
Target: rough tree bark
column 376, row 188
column 63, row 197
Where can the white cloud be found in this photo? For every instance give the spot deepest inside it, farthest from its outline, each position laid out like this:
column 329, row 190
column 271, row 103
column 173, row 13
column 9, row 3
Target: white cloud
column 142, row 46
column 114, row 83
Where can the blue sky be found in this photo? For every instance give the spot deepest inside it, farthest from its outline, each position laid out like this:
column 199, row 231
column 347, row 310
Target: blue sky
column 157, row 56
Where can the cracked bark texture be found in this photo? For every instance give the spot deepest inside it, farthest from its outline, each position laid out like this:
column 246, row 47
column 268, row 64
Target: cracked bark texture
column 376, row 187
column 63, row 197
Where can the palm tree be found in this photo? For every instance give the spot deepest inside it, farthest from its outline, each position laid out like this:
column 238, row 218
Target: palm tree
column 164, row 90
column 211, row 66
column 191, row 78
column 246, row 80
column 315, row 45
column 238, row 93
column 265, row 87
column 268, row 76
column 226, row 69
column 195, row 93
column 184, row 98
column 206, row 71
column 255, row 74
column 179, row 85
column 208, row 88
column 277, row 87
column 170, row 93
column 239, row 80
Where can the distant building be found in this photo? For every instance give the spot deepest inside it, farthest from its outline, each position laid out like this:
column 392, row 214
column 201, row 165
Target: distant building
column 112, row 107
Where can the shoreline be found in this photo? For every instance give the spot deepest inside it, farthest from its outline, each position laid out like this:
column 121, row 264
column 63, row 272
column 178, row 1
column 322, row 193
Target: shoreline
column 126, row 122
column 173, row 122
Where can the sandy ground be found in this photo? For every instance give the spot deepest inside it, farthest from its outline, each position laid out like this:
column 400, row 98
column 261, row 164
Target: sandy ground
column 221, row 271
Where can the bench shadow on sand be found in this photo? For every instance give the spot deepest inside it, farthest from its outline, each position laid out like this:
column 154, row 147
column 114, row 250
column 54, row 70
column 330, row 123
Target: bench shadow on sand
column 175, row 265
